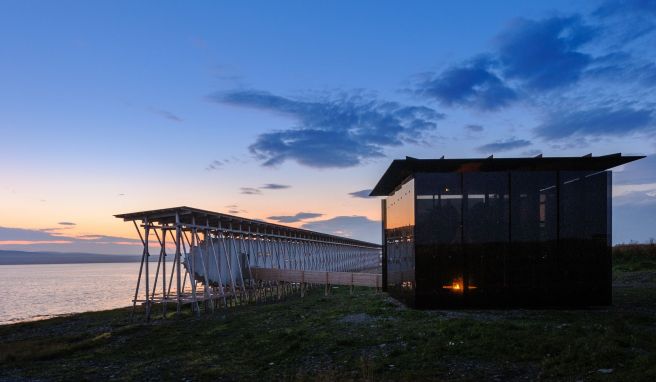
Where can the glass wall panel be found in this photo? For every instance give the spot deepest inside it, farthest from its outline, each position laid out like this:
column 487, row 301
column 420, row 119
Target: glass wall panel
column 399, row 233
column 573, row 256
column 499, row 238
column 584, row 242
column 486, row 233
column 534, row 227
column 597, row 275
column 438, row 231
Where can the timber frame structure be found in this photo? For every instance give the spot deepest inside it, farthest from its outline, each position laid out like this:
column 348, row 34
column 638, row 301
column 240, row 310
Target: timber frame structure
column 222, row 260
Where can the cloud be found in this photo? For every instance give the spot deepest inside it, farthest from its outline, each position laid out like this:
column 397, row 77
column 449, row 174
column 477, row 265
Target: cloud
column 545, row 54
column 474, row 128
column 258, row 190
column 529, row 56
column 355, row 227
column 66, row 223
column 4, row 243
column 274, row 186
column 597, row 60
column 48, row 240
column 218, row 164
column 295, row 218
column 629, row 19
column 105, row 239
column 642, row 171
column 250, row 191
column 361, row 194
column 334, row 131
column 23, row 234
column 166, row 114
column 215, row 165
column 538, row 54
column 634, row 201
column 472, row 84
column 503, row 145
column 234, row 209
column 614, row 8
column 634, row 193
column 602, row 121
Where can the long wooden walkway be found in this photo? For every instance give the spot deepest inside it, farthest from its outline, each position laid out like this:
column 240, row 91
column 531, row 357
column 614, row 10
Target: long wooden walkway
column 272, row 285
column 227, row 260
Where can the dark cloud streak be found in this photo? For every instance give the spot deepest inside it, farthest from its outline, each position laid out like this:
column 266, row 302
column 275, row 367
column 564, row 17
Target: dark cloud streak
column 504, row 145
column 166, row 114
column 295, row 218
column 274, row 186
column 604, row 121
column 250, row 191
column 474, row 128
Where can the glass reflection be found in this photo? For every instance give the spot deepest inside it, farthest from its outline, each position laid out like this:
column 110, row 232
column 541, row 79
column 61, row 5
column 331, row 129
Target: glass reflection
column 532, row 261
column 440, row 264
column 399, row 231
column 486, row 233
column 500, row 238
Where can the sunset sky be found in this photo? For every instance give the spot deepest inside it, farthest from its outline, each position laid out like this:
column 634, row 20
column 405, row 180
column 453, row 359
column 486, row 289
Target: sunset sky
column 288, row 111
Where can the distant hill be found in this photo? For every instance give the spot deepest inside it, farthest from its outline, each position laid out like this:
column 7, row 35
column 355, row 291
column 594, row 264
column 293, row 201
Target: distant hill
column 24, row 257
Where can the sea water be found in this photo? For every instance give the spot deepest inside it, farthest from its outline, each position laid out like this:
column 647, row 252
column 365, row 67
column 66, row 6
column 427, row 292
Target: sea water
column 38, row 291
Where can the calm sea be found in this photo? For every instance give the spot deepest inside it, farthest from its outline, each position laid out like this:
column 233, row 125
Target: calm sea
column 33, row 292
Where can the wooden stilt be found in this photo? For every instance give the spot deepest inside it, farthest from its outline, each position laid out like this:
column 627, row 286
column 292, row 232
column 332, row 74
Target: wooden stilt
column 230, row 249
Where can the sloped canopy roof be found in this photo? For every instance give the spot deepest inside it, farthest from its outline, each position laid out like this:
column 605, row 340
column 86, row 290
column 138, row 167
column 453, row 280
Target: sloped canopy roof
column 400, row 169
column 210, row 219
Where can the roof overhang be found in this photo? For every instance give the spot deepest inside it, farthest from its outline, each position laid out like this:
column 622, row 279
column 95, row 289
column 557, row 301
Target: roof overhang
column 402, row 169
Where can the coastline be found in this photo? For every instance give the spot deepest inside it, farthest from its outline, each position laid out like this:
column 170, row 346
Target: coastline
column 29, row 258
column 363, row 336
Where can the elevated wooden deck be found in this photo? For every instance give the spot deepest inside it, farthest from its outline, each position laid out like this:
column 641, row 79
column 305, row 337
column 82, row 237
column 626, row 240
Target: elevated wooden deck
column 374, row 280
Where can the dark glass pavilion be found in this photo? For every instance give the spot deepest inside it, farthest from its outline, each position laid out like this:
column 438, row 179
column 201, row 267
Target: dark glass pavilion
column 496, row 232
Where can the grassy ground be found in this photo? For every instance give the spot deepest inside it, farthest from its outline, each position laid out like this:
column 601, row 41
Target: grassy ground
column 365, row 336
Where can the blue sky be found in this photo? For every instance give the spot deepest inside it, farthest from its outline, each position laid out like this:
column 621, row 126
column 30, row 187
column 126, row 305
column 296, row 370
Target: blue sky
column 284, row 111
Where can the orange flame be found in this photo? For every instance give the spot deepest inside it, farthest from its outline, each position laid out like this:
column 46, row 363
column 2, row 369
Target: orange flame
column 457, row 286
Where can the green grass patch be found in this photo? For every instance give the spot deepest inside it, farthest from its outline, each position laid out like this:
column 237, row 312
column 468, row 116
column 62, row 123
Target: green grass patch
column 364, row 336
column 634, row 257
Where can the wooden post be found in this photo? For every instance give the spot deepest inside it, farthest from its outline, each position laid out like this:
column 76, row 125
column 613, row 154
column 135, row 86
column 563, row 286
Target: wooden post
column 165, row 301
column 218, row 271
column 143, row 256
column 203, row 255
column 191, row 272
column 146, row 234
column 159, row 264
column 351, row 283
column 228, row 261
column 178, row 237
